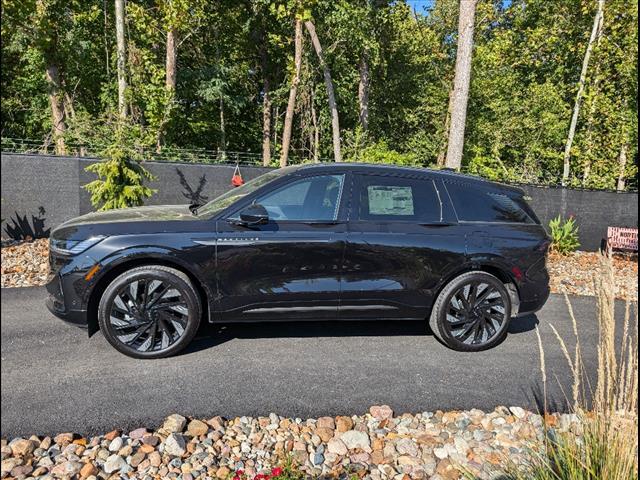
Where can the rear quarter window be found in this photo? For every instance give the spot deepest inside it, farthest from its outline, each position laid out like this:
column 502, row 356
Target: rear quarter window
column 477, row 204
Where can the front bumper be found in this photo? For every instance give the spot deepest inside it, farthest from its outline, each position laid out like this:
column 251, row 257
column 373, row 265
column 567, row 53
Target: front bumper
column 62, row 307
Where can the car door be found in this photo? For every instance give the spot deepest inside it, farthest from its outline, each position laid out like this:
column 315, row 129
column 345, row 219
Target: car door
column 288, row 268
column 402, row 239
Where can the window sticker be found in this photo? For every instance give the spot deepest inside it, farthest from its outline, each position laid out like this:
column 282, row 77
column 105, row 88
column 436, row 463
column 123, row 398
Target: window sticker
column 390, row 200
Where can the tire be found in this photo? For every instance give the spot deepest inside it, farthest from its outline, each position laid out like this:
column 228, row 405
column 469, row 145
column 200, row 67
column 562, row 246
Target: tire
column 150, row 312
column 464, row 321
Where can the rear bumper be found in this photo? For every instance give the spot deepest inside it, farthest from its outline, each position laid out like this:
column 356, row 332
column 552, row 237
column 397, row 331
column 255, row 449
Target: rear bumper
column 535, row 302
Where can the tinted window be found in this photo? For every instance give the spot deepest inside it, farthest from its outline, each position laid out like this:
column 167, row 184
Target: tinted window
column 396, row 198
column 475, row 204
column 311, row 198
column 226, row 199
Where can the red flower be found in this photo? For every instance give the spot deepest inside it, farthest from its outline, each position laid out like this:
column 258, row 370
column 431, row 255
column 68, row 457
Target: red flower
column 276, row 471
column 261, row 476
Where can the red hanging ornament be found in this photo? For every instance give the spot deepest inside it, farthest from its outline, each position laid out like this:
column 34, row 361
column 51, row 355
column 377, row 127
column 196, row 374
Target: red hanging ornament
column 236, row 179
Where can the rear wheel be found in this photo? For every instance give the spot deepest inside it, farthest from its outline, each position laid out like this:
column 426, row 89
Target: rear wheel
column 472, row 312
column 150, row 312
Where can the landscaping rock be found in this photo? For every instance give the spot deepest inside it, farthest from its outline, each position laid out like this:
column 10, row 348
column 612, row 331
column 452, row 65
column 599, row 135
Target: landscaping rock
column 175, row 445
column 197, row 428
column 114, row 463
column 374, row 446
column 355, row 439
column 174, row 423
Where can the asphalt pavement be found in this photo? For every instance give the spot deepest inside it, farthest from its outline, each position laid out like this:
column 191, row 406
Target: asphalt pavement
column 56, row 379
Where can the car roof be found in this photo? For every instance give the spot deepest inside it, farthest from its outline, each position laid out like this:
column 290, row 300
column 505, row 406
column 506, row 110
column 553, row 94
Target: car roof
column 386, row 168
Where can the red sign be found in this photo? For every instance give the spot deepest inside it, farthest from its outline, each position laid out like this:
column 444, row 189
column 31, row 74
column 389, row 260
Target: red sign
column 622, row 238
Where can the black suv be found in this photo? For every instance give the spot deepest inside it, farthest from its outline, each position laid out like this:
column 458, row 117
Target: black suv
column 313, row 242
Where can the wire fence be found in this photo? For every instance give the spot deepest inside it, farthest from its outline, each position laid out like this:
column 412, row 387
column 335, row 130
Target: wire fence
column 219, row 157
column 165, row 154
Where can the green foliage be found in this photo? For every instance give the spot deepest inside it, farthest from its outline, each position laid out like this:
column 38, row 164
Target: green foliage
column 525, row 70
column 564, row 235
column 359, row 148
column 121, row 177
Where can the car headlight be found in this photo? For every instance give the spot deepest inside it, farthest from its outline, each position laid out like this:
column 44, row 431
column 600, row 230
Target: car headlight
column 74, row 247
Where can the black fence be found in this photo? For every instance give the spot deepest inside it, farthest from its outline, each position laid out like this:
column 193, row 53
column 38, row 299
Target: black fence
column 41, row 191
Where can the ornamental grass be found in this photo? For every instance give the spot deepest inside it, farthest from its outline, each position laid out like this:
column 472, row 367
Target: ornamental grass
column 605, row 446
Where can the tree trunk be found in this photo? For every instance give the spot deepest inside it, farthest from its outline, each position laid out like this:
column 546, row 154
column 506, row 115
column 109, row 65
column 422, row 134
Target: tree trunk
column 106, row 39
column 288, row 119
column 266, row 124
column 266, row 108
column 172, row 55
column 461, row 83
column 597, row 23
column 622, row 166
column 363, row 90
column 121, row 49
column 276, row 119
column 223, row 130
column 69, row 110
column 335, row 122
column 440, row 161
column 57, row 107
column 316, row 131
column 170, row 72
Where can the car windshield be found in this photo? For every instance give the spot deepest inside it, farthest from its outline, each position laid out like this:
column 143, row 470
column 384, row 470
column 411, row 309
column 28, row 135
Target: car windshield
column 226, row 199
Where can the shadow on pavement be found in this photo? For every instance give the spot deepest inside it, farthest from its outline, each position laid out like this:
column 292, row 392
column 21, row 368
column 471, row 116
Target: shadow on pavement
column 211, row 335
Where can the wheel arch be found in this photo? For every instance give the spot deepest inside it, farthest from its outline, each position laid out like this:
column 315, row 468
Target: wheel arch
column 127, row 264
column 501, row 272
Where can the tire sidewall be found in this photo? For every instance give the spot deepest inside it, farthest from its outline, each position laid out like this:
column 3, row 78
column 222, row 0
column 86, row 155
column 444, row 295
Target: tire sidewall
column 443, row 303
column 182, row 284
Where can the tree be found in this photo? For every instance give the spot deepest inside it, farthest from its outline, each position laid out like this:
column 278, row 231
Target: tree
column 121, row 177
column 461, row 83
column 288, row 119
column 597, row 25
column 335, row 121
column 121, row 58
column 218, row 76
column 266, row 107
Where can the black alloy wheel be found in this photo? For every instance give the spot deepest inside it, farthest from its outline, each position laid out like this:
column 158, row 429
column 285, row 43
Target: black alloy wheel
column 472, row 312
column 150, row 312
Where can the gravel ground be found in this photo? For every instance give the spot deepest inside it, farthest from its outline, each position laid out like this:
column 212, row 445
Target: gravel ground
column 374, row 446
column 574, row 273
column 26, row 264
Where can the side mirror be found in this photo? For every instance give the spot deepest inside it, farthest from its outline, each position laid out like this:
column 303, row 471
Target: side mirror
column 254, row 214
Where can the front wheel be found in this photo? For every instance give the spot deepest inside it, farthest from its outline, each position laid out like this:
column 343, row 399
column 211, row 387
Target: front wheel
column 150, row 312
column 472, row 312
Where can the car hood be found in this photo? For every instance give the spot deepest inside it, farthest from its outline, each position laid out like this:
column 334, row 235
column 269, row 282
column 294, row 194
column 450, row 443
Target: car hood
column 141, row 219
column 155, row 213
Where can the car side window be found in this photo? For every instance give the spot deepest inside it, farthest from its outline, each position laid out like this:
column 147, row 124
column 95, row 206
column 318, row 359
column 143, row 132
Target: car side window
column 476, row 204
column 385, row 198
column 307, row 199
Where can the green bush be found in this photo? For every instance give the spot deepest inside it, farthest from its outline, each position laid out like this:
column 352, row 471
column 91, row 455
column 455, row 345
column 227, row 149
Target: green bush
column 120, row 181
column 564, row 235
column 359, row 147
